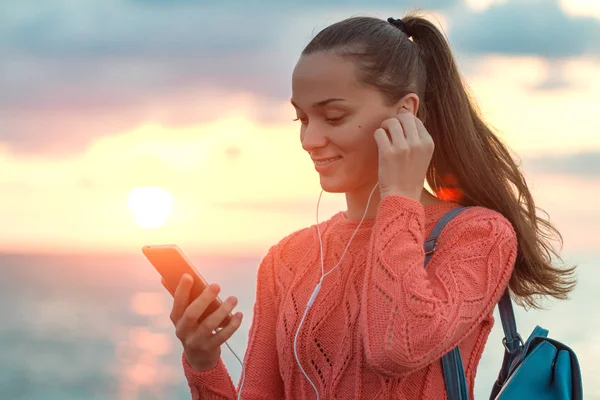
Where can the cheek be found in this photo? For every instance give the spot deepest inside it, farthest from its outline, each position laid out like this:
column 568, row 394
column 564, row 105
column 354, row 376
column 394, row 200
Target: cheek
column 363, row 146
column 366, row 139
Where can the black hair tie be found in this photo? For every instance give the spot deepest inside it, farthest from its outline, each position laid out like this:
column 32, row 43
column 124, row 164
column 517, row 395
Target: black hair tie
column 398, row 23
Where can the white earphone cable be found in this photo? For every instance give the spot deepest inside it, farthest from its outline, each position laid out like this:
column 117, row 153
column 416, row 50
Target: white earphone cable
column 323, row 275
column 312, row 297
column 243, row 371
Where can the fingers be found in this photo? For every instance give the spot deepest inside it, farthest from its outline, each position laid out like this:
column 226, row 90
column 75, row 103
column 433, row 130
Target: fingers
column 402, row 132
column 409, row 126
column 396, row 132
column 383, row 141
column 181, row 297
column 215, row 319
column 423, row 133
column 224, row 334
column 189, row 319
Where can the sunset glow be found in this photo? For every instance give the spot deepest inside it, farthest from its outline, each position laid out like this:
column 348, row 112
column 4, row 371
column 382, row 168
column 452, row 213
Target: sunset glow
column 151, row 206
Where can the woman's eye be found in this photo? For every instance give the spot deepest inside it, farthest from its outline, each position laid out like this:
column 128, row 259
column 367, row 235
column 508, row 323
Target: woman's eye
column 304, row 120
column 335, row 119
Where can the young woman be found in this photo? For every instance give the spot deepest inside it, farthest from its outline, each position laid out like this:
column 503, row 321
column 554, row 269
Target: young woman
column 382, row 108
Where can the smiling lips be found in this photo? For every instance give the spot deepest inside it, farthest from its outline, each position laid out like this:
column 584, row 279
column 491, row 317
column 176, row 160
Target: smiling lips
column 323, row 165
column 325, row 161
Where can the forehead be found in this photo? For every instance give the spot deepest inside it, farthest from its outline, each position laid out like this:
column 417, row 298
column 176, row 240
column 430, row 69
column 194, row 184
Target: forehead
column 320, row 75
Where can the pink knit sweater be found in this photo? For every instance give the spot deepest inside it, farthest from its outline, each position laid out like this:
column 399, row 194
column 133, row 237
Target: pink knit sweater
column 381, row 321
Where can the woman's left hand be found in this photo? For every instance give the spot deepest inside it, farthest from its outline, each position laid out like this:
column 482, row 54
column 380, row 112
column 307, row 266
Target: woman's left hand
column 403, row 159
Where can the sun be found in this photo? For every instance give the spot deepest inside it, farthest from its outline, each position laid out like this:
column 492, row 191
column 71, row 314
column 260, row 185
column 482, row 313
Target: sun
column 150, row 205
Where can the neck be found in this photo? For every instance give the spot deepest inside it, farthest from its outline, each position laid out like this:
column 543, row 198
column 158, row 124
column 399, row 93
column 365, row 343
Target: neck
column 357, row 201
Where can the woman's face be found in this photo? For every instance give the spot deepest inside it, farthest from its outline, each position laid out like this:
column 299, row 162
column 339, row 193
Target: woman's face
column 338, row 116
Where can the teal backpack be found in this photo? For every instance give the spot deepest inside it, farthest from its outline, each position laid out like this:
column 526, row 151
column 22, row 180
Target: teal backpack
column 539, row 369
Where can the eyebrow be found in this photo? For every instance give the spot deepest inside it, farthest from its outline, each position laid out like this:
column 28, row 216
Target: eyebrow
column 321, row 103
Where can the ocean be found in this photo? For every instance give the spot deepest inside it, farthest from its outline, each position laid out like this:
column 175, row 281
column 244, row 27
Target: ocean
column 78, row 327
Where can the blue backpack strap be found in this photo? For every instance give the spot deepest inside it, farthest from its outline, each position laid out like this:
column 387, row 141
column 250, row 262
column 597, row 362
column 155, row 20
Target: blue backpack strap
column 509, row 324
column 513, row 343
column 431, row 241
column 454, row 376
column 452, row 366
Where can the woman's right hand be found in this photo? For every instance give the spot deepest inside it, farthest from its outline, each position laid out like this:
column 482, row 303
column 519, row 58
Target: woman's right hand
column 201, row 344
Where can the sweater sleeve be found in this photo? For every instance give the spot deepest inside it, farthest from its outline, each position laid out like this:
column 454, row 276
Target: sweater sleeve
column 411, row 316
column 260, row 361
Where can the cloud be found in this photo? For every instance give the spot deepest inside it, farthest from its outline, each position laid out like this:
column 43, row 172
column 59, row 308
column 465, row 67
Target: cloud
column 136, row 48
column 556, row 79
column 583, row 164
column 291, row 5
column 539, row 28
column 555, row 76
column 133, row 49
column 71, row 72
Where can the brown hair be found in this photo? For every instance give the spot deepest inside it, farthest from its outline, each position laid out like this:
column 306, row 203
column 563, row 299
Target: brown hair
column 470, row 164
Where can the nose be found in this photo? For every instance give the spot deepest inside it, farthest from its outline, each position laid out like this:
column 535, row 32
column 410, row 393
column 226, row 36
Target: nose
column 312, row 137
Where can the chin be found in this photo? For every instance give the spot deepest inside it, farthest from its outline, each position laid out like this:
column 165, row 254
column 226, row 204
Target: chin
column 330, row 184
column 333, row 184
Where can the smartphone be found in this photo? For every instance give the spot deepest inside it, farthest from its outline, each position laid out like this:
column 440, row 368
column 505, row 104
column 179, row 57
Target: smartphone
column 171, row 264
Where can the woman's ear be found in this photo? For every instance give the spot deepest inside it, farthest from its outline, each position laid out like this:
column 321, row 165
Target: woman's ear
column 409, row 102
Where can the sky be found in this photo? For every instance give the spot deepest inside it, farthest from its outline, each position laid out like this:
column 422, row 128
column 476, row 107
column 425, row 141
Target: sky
column 100, row 97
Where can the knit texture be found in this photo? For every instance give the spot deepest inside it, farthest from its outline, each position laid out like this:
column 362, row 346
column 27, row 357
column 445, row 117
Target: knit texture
column 381, row 322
